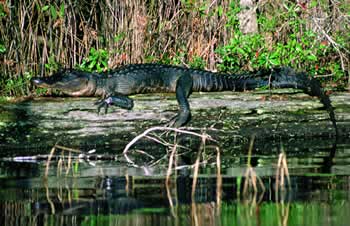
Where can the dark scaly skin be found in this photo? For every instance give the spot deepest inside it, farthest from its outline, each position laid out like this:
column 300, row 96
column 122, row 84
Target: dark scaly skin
column 115, row 86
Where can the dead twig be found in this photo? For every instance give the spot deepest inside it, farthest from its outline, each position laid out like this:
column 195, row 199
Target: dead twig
column 281, row 173
column 335, row 45
column 171, row 161
column 250, row 175
column 196, row 167
column 159, row 140
column 158, row 128
column 61, row 160
column 48, row 161
column 67, row 149
column 218, row 181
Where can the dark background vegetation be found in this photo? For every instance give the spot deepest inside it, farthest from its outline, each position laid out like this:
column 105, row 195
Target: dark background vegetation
column 37, row 37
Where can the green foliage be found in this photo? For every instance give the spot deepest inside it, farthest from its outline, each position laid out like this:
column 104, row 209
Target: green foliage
column 180, row 58
column 197, row 62
column 2, row 15
column 41, row 91
column 54, row 11
column 17, row 86
column 287, row 36
column 2, row 48
column 232, row 16
column 96, row 61
column 195, row 6
column 119, row 37
column 239, row 52
column 52, row 64
column 2, row 11
column 175, row 59
column 299, row 47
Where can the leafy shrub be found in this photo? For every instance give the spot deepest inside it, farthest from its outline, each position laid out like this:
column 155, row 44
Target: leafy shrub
column 284, row 40
column 96, row 61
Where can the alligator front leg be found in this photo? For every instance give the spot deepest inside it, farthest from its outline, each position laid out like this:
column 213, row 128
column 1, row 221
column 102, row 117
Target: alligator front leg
column 116, row 100
column 183, row 90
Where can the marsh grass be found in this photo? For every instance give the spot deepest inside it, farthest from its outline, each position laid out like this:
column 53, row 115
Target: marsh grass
column 252, row 189
column 39, row 37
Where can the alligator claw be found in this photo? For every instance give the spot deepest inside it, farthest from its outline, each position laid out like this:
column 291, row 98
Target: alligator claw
column 178, row 120
column 106, row 108
column 172, row 121
column 102, row 104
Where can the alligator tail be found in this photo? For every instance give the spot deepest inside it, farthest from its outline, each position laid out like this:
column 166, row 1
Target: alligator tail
column 316, row 90
column 287, row 77
column 283, row 77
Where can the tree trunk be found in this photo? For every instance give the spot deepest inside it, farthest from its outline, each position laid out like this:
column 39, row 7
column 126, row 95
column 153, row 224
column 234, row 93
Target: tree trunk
column 247, row 17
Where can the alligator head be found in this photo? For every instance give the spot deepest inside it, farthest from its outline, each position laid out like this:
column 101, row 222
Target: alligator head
column 70, row 82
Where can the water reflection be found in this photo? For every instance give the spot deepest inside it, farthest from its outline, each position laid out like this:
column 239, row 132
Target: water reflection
column 91, row 190
column 109, row 193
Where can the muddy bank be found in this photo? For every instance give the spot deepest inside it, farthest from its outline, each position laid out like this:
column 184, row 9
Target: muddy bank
column 235, row 116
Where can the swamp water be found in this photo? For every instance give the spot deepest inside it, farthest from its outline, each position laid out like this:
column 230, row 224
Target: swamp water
column 101, row 186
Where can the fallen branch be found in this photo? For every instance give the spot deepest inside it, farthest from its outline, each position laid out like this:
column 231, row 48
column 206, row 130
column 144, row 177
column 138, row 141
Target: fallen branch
column 159, row 128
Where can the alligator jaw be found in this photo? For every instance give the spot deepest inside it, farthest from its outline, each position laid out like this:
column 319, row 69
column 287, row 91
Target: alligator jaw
column 84, row 87
column 40, row 83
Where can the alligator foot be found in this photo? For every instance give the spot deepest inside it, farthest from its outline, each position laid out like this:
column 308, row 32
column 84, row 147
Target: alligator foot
column 116, row 100
column 103, row 103
column 171, row 122
column 179, row 120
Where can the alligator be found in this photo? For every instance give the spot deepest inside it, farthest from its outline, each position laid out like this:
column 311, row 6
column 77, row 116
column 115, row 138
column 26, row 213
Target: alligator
column 115, row 86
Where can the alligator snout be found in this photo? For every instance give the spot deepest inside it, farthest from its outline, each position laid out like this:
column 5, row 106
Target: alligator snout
column 41, row 82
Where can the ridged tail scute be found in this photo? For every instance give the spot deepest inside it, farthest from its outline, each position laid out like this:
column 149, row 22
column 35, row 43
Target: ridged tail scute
column 287, row 77
column 208, row 81
column 283, row 77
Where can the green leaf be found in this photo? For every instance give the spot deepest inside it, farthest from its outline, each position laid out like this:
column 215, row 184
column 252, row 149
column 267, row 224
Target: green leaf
column 83, row 64
column 240, row 50
column 45, row 8
column 220, row 10
column 274, row 61
column 98, row 68
column 2, row 48
column 76, row 166
column 202, row 10
column 92, row 51
column 53, row 12
column 298, row 48
column 62, row 10
column 92, row 64
column 103, row 53
column 2, row 11
column 28, row 76
column 119, row 37
column 92, row 57
column 275, row 55
column 312, row 57
column 313, row 4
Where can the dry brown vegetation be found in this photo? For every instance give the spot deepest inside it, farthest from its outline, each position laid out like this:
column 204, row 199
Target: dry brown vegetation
column 39, row 33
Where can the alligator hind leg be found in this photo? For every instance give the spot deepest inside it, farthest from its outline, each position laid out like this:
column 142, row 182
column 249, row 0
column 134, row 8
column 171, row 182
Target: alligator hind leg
column 117, row 100
column 183, row 90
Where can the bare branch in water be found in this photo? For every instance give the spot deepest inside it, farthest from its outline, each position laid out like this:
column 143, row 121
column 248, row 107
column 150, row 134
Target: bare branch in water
column 144, row 134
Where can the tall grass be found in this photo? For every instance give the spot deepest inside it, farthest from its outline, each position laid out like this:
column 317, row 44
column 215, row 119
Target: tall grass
column 36, row 37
